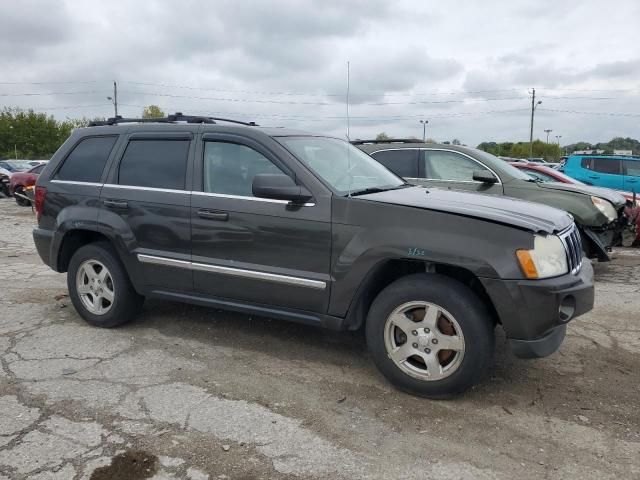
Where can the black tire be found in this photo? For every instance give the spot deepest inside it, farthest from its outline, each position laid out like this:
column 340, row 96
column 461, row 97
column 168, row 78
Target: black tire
column 127, row 303
column 19, row 200
column 458, row 300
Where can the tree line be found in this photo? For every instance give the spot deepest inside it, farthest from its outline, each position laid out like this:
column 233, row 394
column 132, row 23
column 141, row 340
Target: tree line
column 27, row 134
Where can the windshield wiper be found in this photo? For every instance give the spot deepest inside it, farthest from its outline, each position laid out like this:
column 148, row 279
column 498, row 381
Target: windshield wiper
column 365, row 191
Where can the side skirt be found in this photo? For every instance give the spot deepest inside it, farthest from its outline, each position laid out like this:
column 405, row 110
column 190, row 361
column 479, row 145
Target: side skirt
column 288, row 314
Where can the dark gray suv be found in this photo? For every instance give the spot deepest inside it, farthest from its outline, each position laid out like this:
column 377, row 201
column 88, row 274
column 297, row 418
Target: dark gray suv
column 309, row 229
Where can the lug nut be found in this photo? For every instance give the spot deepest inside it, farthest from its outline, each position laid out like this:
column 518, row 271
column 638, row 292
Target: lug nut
column 427, row 350
column 434, row 341
column 414, row 332
column 426, row 330
column 415, row 345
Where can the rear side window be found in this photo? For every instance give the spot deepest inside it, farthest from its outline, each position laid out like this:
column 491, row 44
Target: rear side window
column 155, row 164
column 403, row 163
column 607, row 165
column 86, row 161
column 586, row 163
column 632, row 168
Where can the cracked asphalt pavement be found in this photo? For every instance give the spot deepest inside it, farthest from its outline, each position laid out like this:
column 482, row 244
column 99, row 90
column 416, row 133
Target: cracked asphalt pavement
column 190, row 393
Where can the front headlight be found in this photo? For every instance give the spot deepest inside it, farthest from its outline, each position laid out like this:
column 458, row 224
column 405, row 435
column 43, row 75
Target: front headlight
column 605, row 207
column 547, row 259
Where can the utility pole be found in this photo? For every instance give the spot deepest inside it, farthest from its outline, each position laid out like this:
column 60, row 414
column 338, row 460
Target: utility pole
column 533, row 109
column 424, row 130
column 548, row 131
column 114, row 99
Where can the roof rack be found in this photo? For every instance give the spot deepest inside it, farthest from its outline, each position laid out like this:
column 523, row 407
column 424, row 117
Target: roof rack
column 390, row 140
column 176, row 117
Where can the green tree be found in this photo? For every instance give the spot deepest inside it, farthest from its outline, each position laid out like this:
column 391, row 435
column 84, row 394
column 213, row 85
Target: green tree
column 382, row 136
column 30, row 134
column 152, row 111
column 455, row 141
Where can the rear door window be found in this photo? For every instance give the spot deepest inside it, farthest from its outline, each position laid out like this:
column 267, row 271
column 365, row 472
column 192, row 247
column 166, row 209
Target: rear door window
column 86, row 161
column 403, row 163
column 611, row 166
column 155, row 164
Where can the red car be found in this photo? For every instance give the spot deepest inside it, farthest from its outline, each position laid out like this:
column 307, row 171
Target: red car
column 20, row 181
column 547, row 174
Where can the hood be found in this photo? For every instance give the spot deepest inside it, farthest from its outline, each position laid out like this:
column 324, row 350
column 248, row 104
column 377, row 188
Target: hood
column 509, row 211
column 614, row 197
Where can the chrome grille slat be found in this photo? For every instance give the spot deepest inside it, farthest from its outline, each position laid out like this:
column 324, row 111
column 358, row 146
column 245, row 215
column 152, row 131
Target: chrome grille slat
column 573, row 246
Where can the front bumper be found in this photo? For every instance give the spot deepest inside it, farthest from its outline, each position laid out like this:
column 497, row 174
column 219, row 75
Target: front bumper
column 534, row 313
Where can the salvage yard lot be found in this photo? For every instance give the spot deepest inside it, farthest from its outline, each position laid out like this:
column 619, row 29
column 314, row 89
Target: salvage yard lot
column 191, row 392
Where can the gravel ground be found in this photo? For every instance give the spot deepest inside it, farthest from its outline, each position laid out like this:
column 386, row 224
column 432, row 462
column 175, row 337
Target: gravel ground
column 186, row 392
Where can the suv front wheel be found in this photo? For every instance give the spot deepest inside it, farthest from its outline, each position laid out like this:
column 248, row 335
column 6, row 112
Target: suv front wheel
column 99, row 287
column 430, row 335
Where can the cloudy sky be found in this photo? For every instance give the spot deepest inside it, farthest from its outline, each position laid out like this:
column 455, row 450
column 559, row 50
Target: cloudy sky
column 465, row 66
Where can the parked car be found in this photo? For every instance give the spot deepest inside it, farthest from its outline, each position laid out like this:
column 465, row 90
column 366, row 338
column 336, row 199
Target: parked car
column 306, row 228
column 600, row 216
column 544, row 173
column 619, row 173
column 14, row 166
column 5, row 179
column 22, row 180
column 632, row 210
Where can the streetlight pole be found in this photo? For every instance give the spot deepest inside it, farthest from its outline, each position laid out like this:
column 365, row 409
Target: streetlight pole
column 424, row 130
column 114, row 99
column 548, row 131
column 558, row 137
column 533, row 109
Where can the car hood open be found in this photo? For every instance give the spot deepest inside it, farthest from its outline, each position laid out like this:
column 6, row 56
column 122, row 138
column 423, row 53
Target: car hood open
column 509, row 211
column 614, row 197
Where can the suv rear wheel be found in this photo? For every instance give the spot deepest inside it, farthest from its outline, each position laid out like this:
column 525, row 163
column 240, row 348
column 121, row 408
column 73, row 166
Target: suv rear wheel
column 430, row 335
column 99, row 287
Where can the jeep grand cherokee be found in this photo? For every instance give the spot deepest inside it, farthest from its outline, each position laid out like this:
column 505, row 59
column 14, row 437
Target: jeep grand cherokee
column 307, row 228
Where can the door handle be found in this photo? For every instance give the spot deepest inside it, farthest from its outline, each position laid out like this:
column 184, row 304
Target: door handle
column 594, row 176
column 121, row 204
column 212, row 215
column 631, row 181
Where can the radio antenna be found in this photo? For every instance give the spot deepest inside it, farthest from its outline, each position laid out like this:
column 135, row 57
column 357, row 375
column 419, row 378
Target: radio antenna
column 348, row 87
column 348, row 129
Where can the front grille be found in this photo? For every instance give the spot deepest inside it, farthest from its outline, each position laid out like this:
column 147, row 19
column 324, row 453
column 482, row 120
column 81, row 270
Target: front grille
column 573, row 245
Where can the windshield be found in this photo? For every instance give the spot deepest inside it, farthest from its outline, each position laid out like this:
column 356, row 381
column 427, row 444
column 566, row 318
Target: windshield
column 504, row 166
column 345, row 168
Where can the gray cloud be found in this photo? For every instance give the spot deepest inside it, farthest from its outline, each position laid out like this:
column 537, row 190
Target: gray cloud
column 410, row 56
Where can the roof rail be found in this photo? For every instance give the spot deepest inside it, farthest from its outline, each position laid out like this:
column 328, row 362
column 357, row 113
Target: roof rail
column 176, row 117
column 390, row 140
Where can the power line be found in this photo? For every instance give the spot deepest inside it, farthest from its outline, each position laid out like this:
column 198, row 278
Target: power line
column 42, row 94
column 70, row 107
column 52, row 83
column 342, row 117
column 610, row 114
column 316, row 94
column 292, row 102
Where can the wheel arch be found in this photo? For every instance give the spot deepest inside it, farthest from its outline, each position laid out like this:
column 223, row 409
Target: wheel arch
column 72, row 241
column 386, row 272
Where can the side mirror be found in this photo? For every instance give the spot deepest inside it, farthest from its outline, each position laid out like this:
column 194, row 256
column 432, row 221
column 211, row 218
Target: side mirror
column 484, row 176
column 279, row 187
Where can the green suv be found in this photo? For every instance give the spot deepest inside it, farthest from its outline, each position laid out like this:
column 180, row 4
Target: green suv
column 597, row 212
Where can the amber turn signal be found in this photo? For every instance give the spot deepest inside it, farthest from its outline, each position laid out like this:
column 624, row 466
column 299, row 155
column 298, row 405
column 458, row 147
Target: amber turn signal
column 526, row 264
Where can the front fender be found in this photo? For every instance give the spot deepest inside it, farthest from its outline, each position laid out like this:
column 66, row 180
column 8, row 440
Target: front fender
column 486, row 249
